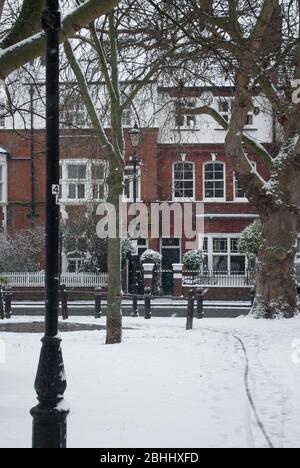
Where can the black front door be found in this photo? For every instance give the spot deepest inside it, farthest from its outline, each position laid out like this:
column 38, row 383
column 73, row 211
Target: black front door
column 170, row 254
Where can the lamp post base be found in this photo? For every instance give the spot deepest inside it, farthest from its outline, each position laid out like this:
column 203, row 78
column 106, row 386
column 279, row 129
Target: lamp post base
column 49, row 429
column 50, row 415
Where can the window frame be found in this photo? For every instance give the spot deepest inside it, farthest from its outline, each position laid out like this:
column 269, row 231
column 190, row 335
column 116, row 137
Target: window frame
column 185, row 117
column 229, row 253
column 89, row 182
column 131, row 182
column 70, row 113
column 184, row 199
column 228, row 114
column 235, row 182
column 4, row 180
column 214, row 199
column 126, row 117
column 76, row 182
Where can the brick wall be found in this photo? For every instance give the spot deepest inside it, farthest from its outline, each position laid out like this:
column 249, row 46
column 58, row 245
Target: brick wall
column 156, row 174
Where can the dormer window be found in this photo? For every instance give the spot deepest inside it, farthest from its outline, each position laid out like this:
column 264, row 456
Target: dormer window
column 73, row 113
column 226, row 108
column 185, row 120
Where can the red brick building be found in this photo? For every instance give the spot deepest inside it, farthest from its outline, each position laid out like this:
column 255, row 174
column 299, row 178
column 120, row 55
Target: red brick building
column 182, row 160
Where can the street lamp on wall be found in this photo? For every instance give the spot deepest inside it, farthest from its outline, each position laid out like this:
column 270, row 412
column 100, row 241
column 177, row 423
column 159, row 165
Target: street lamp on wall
column 135, row 137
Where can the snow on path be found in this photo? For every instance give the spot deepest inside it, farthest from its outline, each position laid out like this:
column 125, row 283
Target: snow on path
column 163, row 387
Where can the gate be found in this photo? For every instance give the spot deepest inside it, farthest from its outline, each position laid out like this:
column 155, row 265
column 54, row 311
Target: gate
column 166, row 282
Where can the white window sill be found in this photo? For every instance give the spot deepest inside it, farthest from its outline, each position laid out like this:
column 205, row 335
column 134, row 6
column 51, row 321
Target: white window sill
column 246, row 129
column 215, row 200
column 241, row 200
column 183, row 200
column 66, row 201
column 130, row 200
column 186, row 129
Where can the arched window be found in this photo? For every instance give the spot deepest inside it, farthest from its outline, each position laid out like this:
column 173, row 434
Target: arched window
column 214, row 181
column 183, row 181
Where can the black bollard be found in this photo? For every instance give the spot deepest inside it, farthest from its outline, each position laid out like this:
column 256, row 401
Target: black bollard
column 64, row 302
column 98, row 302
column 190, row 311
column 253, row 294
column 147, row 297
column 7, row 302
column 2, row 316
column 135, row 309
column 199, row 296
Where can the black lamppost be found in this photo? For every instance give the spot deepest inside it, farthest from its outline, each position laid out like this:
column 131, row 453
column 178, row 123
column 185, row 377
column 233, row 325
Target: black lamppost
column 135, row 136
column 49, row 416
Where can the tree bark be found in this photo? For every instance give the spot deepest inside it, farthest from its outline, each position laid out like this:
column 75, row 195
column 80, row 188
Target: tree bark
column 114, row 295
column 276, row 291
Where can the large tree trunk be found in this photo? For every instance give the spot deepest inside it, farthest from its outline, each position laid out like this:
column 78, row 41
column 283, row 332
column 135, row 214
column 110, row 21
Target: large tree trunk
column 114, row 297
column 276, row 291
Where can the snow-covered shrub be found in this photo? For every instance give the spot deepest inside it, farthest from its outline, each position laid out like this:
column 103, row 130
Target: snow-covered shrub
column 23, row 251
column 192, row 260
column 251, row 240
column 151, row 256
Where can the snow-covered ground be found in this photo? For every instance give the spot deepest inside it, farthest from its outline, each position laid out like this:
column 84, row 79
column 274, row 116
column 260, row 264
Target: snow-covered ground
column 164, row 386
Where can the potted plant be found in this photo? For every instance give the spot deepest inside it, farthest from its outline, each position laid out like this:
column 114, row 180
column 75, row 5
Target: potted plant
column 151, row 256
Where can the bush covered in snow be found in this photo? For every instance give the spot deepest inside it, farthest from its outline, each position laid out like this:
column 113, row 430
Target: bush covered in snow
column 251, row 239
column 22, row 252
column 151, row 256
column 192, row 260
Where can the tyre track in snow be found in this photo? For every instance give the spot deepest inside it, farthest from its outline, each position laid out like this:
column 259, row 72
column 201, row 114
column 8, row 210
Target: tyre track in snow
column 252, row 413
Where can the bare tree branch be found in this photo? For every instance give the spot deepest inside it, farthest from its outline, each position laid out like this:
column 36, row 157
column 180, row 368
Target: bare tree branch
column 84, row 90
column 24, row 51
column 2, row 2
column 116, row 113
column 104, row 65
column 152, row 70
column 257, row 147
column 27, row 23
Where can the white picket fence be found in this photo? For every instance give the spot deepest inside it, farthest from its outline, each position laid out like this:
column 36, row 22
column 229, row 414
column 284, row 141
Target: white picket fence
column 37, row 280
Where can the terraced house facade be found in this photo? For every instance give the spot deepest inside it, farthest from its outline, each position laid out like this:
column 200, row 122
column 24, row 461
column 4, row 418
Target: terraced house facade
column 181, row 159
